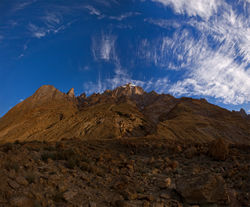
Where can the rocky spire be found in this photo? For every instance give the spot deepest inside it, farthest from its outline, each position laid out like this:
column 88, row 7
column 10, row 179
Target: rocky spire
column 71, row 93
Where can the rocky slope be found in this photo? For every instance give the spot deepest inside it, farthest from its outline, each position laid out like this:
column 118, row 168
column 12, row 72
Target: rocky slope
column 132, row 172
column 127, row 111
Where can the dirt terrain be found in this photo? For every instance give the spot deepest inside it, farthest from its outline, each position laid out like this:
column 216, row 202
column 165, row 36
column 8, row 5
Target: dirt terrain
column 124, row 172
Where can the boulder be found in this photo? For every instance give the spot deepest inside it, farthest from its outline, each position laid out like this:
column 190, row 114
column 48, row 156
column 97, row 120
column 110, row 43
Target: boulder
column 21, row 180
column 70, row 194
column 219, row 149
column 21, row 201
column 203, row 189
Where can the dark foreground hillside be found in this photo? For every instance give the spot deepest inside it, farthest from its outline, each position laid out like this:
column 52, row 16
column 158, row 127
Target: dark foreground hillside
column 124, row 172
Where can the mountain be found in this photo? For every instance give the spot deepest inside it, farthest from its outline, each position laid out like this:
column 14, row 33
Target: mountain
column 124, row 147
column 126, row 111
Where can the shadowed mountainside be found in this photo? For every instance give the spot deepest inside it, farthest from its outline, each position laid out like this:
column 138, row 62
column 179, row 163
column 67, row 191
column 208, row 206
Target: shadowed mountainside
column 127, row 111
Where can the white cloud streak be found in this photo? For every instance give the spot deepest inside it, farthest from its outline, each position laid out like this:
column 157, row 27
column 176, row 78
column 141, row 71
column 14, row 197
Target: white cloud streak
column 215, row 60
column 22, row 5
column 124, row 16
column 95, row 12
column 53, row 24
column 164, row 23
column 103, row 48
column 202, row 8
column 36, row 31
column 52, row 19
column 211, row 72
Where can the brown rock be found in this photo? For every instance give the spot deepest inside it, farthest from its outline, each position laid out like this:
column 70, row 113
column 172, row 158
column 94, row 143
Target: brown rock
column 165, row 195
column 166, row 183
column 21, row 180
column 202, row 189
column 121, row 203
column 21, row 201
column 146, row 204
column 68, row 195
column 174, row 164
column 190, row 152
column 219, row 149
column 13, row 184
column 158, row 204
column 92, row 204
column 128, row 195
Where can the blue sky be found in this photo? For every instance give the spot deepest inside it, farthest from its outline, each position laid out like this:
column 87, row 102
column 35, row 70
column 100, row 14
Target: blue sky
column 195, row 48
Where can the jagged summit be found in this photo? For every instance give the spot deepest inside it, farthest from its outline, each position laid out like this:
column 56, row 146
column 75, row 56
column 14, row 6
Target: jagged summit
column 71, row 93
column 128, row 85
column 128, row 90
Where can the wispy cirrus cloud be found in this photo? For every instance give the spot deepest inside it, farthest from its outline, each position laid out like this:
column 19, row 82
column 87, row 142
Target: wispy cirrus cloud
column 230, row 29
column 202, row 8
column 103, row 47
column 51, row 23
column 107, row 3
column 52, row 18
column 214, row 54
column 95, row 12
column 163, row 23
column 213, row 71
column 100, row 15
column 215, row 74
column 157, row 52
column 36, row 31
column 22, row 5
column 124, row 16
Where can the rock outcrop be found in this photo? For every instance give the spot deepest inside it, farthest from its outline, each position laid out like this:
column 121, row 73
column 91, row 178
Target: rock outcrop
column 71, row 93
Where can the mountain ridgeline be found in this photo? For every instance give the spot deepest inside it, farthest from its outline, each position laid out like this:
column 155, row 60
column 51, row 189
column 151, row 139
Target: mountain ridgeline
column 127, row 111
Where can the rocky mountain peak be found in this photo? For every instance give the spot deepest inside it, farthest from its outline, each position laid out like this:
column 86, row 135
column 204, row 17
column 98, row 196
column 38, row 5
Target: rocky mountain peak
column 128, row 90
column 71, row 93
column 244, row 114
column 46, row 91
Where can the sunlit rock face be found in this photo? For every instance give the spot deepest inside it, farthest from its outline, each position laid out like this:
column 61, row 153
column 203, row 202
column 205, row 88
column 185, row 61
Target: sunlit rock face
column 128, row 90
